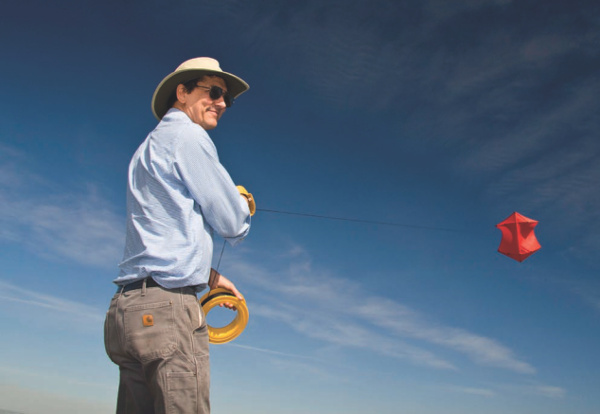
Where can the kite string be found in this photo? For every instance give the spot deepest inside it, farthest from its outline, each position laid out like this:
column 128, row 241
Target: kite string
column 220, row 256
column 384, row 223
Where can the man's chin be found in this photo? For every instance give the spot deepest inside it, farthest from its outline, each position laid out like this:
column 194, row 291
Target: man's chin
column 208, row 125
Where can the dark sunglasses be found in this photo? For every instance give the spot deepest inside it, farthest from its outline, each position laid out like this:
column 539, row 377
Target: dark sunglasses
column 215, row 92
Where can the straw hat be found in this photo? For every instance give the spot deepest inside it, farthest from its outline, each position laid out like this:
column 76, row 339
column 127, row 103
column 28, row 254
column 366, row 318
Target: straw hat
column 188, row 70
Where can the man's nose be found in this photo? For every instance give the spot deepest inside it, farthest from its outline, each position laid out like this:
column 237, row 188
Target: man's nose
column 220, row 102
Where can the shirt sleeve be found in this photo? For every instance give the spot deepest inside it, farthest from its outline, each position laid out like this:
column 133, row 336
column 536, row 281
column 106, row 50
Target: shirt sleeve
column 209, row 184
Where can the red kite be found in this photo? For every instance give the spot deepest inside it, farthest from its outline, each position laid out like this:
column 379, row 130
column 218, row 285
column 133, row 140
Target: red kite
column 518, row 240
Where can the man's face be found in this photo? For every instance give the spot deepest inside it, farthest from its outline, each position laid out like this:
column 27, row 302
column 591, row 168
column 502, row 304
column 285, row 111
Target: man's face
column 198, row 105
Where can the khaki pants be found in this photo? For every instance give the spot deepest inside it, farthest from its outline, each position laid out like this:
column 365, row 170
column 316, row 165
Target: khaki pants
column 159, row 339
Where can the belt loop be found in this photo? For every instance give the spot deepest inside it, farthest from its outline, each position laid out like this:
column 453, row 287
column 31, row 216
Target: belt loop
column 122, row 288
column 144, row 287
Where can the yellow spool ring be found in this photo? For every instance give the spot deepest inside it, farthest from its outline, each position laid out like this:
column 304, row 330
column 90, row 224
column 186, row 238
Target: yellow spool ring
column 229, row 332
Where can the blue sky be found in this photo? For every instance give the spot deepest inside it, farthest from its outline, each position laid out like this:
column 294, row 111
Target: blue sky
column 443, row 117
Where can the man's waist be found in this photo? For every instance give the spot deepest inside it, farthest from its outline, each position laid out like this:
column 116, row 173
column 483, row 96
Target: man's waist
column 138, row 284
column 151, row 283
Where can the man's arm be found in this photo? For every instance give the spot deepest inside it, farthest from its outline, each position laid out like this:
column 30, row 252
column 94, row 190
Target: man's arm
column 210, row 185
column 217, row 280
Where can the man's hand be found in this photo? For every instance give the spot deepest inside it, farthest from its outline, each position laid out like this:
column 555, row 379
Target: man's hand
column 217, row 280
column 249, row 198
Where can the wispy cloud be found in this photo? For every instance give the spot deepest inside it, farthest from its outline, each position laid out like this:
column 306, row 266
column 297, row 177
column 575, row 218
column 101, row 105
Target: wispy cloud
column 549, row 391
column 529, row 388
column 71, row 309
column 54, row 222
column 273, row 352
column 483, row 350
column 314, row 371
column 348, row 317
column 338, row 329
column 483, row 392
column 533, row 388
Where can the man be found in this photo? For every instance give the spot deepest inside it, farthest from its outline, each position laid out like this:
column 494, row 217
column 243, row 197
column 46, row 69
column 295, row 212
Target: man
column 178, row 194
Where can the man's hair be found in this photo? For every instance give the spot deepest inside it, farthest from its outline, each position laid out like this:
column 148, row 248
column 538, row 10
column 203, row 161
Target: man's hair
column 189, row 87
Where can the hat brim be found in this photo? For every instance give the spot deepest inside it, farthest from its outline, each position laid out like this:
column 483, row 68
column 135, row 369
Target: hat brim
column 160, row 100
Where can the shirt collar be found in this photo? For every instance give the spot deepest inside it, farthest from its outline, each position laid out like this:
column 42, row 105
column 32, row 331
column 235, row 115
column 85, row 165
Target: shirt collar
column 174, row 114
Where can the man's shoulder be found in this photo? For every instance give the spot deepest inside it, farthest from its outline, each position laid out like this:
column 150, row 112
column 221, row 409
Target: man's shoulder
column 178, row 129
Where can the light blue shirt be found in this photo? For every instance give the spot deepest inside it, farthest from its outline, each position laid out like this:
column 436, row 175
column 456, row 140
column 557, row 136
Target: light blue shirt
column 178, row 193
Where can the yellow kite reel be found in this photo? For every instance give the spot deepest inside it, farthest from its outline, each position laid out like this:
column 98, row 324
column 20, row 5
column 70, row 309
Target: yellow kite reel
column 229, row 332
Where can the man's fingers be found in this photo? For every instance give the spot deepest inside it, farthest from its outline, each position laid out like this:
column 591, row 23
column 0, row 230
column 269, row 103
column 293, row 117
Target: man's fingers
column 228, row 306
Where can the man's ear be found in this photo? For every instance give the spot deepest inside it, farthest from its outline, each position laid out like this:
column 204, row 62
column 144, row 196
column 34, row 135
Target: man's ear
column 181, row 93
